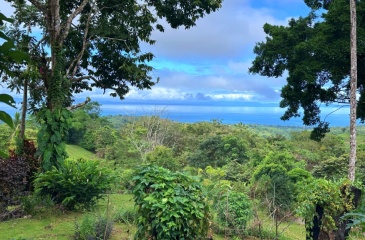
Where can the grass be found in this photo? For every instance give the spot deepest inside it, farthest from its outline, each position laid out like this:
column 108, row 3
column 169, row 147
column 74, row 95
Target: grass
column 61, row 226
column 76, row 152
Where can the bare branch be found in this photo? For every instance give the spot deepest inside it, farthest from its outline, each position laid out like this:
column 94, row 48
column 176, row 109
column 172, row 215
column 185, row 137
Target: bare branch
column 83, row 78
column 79, row 105
column 76, row 62
column 71, row 18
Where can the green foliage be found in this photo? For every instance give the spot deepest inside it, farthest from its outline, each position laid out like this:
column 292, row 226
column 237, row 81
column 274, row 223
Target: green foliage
column 163, row 157
column 169, row 205
column 234, row 210
column 299, row 175
column 315, row 51
column 8, row 54
column 100, row 61
column 126, row 179
column 5, row 117
column 357, row 219
column 219, row 150
column 75, row 184
column 332, row 168
column 334, row 197
column 93, row 228
column 277, row 177
column 51, row 147
column 7, row 99
column 283, row 158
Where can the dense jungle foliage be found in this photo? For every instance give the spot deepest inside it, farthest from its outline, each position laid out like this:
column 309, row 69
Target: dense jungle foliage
column 242, row 174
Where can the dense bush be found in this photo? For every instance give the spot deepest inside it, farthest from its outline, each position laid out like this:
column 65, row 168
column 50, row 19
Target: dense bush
column 13, row 179
column 234, row 210
column 75, row 184
column 169, row 205
column 163, row 157
column 323, row 201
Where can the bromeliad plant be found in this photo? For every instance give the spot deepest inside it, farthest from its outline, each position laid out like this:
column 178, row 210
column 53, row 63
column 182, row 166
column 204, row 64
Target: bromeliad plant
column 169, row 205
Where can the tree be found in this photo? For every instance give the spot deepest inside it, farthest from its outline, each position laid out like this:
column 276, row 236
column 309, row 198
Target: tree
column 315, row 52
column 93, row 44
column 353, row 83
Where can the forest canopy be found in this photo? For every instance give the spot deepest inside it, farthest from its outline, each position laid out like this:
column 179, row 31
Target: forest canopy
column 314, row 51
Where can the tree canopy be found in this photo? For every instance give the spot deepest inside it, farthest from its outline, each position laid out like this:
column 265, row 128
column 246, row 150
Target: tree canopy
column 314, row 51
column 96, row 43
column 83, row 45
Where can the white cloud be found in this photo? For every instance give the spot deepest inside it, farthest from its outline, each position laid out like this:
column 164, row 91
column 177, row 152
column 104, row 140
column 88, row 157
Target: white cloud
column 233, row 96
column 228, row 33
column 156, row 93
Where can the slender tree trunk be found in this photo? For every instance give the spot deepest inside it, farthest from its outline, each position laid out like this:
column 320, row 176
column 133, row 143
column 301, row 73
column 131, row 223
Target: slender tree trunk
column 353, row 102
column 24, row 110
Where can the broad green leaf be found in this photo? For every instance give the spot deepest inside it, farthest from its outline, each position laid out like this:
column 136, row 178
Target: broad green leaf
column 6, row 119
column 6, row 46
column 3, row 36
column 18, row 56
column 4, row 18
column 7, row 99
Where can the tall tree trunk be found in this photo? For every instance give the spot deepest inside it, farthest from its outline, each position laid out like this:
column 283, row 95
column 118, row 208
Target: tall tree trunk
column 353, row 102
column 24, row 110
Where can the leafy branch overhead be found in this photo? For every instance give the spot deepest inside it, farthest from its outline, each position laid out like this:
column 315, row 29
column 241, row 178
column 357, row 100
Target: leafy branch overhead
column 99, row 40
column 315, row 53
column 8, row 54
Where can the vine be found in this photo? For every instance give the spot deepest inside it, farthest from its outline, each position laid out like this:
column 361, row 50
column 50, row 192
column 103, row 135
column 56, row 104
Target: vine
column 55, row 125
column 326, row 201
column 55, row 119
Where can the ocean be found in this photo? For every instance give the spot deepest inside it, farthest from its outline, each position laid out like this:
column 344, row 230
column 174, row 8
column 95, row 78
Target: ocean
column 226, row 112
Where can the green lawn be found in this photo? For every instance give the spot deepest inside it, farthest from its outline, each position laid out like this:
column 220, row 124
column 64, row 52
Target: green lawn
column 76, row 152
column 61, row 226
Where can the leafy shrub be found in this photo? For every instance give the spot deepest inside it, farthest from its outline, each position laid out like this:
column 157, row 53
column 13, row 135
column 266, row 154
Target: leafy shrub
column 163, row 157
column 13, row 175
column 169, row 205
column 234, row 210
column 93, row 228
column 76, row 184
column 335, row 198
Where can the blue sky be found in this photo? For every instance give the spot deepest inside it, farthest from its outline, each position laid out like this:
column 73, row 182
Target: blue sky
column 211, row 60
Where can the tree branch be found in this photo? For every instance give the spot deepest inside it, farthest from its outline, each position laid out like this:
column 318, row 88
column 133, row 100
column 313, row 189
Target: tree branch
column 79, row 105
column 71, row 18
column 74, row 80
column 76, row 62
column 40, row 6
